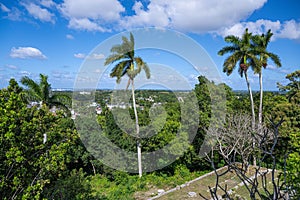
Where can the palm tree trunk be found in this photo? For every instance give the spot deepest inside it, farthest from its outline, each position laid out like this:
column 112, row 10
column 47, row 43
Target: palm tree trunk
column 252, row 111
column 139, row 146
column 260, row 100
column 251, row 101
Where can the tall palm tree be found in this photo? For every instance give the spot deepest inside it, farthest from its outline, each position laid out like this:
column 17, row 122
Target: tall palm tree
column 126, row 63
column 242, row 54
column 42, row 92
column 260, row 43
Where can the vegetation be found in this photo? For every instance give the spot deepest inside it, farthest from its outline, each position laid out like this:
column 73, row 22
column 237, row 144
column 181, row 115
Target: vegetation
column 42, row 155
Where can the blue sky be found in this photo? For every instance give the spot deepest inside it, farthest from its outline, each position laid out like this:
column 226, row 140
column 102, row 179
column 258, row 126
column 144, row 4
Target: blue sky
column 55, row 37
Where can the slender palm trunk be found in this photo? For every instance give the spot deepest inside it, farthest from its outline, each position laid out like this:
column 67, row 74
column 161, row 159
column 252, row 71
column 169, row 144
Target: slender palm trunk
column 139, row 146
column 260, row 101
column 251, row 101
column 252, row 111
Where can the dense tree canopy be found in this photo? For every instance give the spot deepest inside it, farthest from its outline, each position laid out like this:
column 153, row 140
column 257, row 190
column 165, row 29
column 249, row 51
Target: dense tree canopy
column 30, row 163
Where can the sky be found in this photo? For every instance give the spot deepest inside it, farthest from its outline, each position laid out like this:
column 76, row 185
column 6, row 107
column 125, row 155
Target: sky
column 63, row 38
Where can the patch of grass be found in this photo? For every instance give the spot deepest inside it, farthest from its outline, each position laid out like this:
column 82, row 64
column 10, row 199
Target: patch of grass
column 130, row 187
column 201, row 187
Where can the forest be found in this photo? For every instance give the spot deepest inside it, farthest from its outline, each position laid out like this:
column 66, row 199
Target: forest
column 51, row 147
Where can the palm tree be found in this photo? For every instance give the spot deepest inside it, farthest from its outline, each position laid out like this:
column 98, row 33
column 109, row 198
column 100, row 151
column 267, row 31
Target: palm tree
column 260, row 43
column 42, row 92
column 242, row 53
column 127, row 63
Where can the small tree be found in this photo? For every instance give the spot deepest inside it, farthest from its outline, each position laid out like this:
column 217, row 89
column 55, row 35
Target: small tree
column 233, row 143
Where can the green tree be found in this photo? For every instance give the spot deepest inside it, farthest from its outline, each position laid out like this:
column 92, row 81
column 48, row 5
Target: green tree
column 290, row 111
column 128, row 64
column 260, row 47
column 293, row 87
column 241, row 52
column 28, row 164
column 42, row 92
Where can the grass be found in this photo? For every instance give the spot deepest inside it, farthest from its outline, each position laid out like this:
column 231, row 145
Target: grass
column 201, row 187
column 129, row 187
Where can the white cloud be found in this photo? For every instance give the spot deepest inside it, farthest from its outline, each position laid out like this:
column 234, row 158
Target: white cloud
column 13, row 14
column 47, row 3
column 96, row 56
column 93, row 56
column 257, row 27
column 4, row 8
column 79, row 55
column 192, row 16
column 12, row 66
column 85, row 24
column 26, row 52
column 59, row 75
column 288, row 29
column 39, row 13
column 69, row 36
column 276, row 69
column 98, row 71
column 93, row 9
column 91, row 15
column 24, row 73
column 155, row 16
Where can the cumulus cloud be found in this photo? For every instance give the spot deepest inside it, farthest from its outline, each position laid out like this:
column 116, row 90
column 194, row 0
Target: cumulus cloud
column 89, row 15
column 39, row 13
column 221, row 17
column 288, row 29
column 196, row 16
column 85, row 24
column 26, row 52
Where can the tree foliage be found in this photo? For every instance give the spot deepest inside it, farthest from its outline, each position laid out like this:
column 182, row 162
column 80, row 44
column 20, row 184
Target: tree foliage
column 29, row 161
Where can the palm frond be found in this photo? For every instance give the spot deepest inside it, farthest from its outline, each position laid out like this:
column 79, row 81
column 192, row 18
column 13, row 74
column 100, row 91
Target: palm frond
column 120, row 69
column 30, row 84
column 267, row 37
column 113, row 58
column 227, row 49
column 275, row 58
column 232, row 39
column 45, row 88
column 65, row 99
column 141, row 65
column 230, row 63
column 255, row 63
